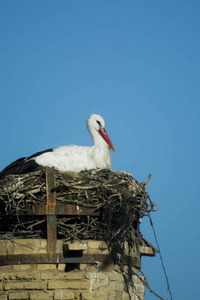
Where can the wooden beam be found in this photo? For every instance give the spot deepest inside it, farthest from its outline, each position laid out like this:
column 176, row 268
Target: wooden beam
column 51, row 216
column 146, row 251
column 60, row 209
column 57, row 258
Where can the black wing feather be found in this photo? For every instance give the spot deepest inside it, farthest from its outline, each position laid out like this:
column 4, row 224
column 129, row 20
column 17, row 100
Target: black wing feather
column 23, row 165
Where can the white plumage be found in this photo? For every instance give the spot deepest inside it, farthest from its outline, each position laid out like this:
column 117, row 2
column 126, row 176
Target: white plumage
column 70, row 158
column 78, row 158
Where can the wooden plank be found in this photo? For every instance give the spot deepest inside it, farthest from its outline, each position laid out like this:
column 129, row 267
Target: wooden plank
column 51, row 217
column 56, row 258
column 146, row 251
column 60, row 209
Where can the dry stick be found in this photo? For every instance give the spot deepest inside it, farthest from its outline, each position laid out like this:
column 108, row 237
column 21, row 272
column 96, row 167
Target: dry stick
column 138, row 188
column 14, row 242
column 147, row 182
column 17, row 208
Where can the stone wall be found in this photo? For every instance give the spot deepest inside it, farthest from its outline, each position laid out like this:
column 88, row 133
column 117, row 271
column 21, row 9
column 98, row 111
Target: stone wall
column 63, row 281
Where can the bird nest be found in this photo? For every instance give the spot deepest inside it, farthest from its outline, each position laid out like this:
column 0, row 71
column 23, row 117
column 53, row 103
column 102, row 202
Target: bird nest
column 121, row 199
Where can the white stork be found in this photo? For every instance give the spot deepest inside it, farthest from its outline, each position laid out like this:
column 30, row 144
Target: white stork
column 70, row 158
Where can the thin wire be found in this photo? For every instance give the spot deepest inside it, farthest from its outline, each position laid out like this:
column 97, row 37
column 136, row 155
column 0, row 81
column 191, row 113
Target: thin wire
column 162, row 262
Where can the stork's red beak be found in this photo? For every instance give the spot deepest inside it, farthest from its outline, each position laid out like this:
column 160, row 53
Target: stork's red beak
column 105, row 136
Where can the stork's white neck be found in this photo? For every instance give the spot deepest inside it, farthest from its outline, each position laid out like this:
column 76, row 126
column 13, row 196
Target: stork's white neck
column 97, row 139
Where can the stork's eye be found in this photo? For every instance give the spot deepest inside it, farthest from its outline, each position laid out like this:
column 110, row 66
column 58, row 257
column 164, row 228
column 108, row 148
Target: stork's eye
column 99, row 123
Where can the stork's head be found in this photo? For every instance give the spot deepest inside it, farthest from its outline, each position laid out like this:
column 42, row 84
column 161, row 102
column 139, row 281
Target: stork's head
column 97, row 123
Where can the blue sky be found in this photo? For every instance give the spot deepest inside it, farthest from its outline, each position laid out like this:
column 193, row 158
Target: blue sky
column 137, row 64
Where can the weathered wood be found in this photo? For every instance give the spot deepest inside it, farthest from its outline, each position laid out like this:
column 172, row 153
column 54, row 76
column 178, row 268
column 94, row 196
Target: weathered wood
column 51, row 216
column 146, row 251
column 56, row 258
column 59, row 209
column 110, row 203
column 112, row 193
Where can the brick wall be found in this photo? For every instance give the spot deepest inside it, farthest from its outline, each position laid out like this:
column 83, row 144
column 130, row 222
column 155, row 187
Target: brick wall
column 61, row 281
